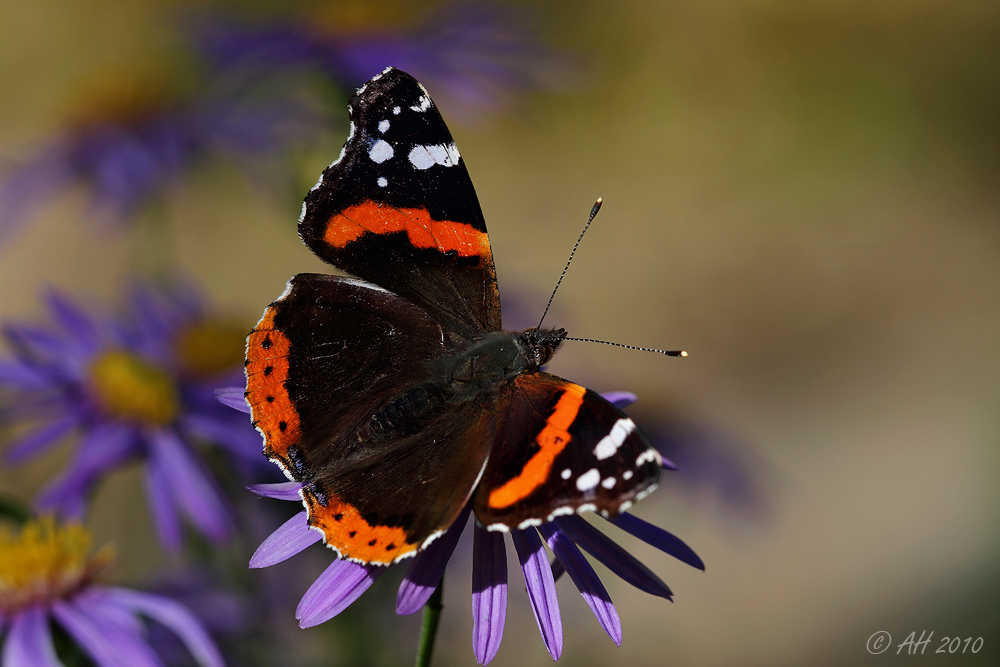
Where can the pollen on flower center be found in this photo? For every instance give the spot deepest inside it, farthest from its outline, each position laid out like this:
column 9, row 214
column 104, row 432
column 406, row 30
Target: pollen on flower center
column 211, row 347
column 45, row 562
column 132, row 388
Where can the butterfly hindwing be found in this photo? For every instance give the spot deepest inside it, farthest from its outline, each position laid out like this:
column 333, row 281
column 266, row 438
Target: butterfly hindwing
column 561, row 448
column 398, row 209
column 338, row 384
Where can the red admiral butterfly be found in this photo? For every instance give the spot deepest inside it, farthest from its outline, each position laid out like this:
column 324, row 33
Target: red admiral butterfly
column 393, row 396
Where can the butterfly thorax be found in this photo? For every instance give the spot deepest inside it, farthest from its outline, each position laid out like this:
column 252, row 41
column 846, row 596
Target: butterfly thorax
column 475, row 372
column 490, row 362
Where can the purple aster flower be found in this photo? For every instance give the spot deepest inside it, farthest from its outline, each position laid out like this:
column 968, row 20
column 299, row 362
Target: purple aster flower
column 136, row 144
column 140, row 388
column 344, row 581
column 473, row 55
column 47, row 576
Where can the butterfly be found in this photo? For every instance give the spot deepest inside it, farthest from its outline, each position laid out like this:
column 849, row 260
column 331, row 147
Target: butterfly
column 392, row 394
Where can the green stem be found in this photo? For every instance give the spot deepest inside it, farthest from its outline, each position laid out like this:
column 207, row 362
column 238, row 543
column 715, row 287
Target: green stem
column 428, row 630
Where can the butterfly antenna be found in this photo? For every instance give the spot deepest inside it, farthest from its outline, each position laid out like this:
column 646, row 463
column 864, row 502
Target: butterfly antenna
column 669, row 353
column 593, row 214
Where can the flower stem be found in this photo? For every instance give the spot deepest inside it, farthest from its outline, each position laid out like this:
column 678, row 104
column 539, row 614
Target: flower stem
column 428, row 630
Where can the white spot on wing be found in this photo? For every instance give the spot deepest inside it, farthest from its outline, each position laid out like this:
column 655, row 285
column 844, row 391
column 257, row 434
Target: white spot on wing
column 647, row 456
column 608, row 482
column 382, row 181
column 588, row 480
column 627, row 475
column 380, row 151
column 395, row 111
column 610, row 443
column 383, row 126
column 425, row 156
column 566, row 473
column 423, row 104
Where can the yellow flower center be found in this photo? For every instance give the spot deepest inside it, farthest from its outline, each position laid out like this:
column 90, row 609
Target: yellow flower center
column 211, row 347
column 131, row 388
column 45, row 562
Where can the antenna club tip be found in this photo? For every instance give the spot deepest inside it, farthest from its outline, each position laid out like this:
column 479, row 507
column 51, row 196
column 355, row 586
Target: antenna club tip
column 684, row 353
column 600, row 200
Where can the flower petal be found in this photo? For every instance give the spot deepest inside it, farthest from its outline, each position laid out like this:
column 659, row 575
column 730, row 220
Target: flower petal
column 108, row 644
column 76, row 323
column 619, row 561
column 104, row 447
column 39, row 440
column 659, row 538
column 333, row 591
column 236, row 437
column 489, row 593
column 193, row 489
column 278, row 491
column 175, row 616
column 233, row 397
column 29, row 641
column 289, row 539
column 586, row 580
column 620, row 399
column 161, row 503
column 541, row 588
column 425, row 574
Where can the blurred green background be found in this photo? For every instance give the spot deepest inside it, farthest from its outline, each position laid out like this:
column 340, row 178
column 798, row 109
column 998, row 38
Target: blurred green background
column 801, row 194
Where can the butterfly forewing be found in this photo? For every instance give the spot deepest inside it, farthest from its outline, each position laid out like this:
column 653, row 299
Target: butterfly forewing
column 398, row 209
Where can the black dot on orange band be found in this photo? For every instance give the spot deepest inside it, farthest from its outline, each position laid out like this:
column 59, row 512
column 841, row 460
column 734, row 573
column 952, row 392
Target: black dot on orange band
column 352, row 533
column 338, row 517
column 282, row 426
column 270, row 399
column 371, row 543
column 390, row 546
column 268, row 370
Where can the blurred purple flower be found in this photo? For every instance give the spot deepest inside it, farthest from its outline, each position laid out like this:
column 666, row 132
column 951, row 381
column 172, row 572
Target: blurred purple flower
column 47, row 575
column 136, row 146
column 344, row 581
column 713, row 463
column 140, row 388
column 474, row 56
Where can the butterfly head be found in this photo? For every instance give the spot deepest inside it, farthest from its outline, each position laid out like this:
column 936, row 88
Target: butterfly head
column 541, row 344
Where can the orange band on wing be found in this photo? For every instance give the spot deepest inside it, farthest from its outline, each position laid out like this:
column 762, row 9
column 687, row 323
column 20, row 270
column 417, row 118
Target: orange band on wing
column 267, row 369
column 552, row 439
column 346, row 530
column 423, row 231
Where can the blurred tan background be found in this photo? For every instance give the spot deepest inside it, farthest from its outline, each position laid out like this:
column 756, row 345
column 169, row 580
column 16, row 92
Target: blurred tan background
column 801, row 194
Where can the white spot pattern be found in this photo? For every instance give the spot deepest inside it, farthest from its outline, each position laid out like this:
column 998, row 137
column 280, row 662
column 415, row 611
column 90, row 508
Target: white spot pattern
column 380, row 151
column 588, row 480
column 383, row 126
column 610, row 443
column 608, row 482
column 647, row 456
column 425, row 156
column 566, row 473
column 627, row 475
column 382, row 181
column 423, row 104
column 395, row 111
